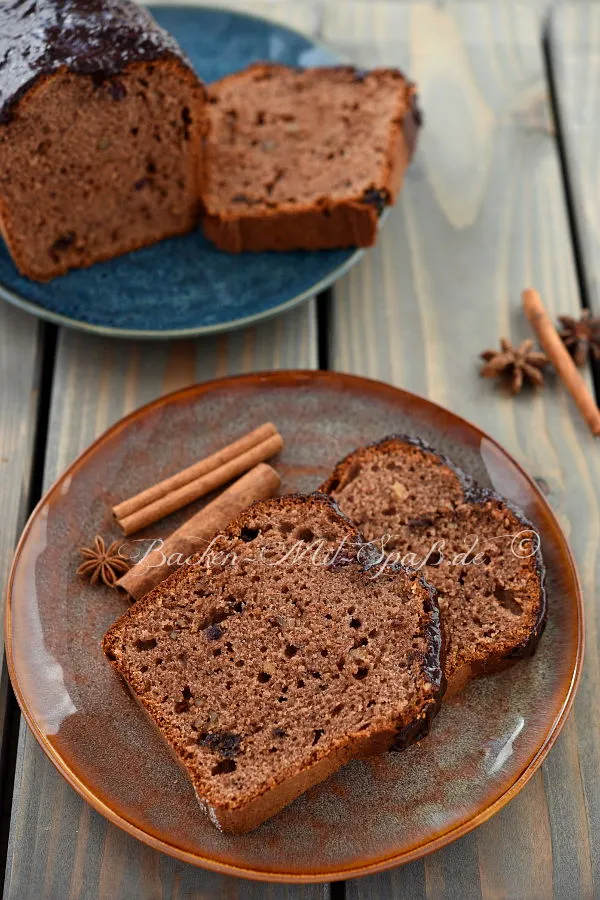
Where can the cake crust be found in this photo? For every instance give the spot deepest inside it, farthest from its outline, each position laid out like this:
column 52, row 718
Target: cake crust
column 99, row 38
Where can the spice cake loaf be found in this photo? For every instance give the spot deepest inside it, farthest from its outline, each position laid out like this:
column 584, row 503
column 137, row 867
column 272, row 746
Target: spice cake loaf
column 101, row 120
column 272, row 665
column 482, row 556
column 305, row 158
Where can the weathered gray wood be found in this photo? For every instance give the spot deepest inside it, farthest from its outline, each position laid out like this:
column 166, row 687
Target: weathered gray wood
column 481, row 217
column 59, row 848
column 19, row 376
column 575, row 57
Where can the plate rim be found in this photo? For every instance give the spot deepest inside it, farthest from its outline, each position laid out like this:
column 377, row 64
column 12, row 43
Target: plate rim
column 295, row 377
column 46, row 315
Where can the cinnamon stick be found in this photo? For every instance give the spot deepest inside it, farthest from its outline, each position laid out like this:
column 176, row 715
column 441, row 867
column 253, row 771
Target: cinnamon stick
column 188, row 543
column 560, row 357
column 203, row 467
column 214, row 479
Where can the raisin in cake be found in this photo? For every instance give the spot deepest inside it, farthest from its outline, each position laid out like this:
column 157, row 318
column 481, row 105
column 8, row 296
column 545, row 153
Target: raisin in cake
column 281, row 658
column 305, row 159
column 481, row 555
column 100, row 133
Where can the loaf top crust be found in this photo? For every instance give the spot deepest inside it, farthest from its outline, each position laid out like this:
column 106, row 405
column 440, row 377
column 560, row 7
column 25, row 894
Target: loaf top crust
column 89, row 37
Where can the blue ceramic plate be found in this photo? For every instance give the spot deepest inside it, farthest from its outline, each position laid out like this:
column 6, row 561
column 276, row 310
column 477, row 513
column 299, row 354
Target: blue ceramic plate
column 184, row 286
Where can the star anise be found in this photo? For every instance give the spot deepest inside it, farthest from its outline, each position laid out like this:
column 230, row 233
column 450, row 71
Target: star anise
column 515, row 364
column 581, row 336
column 102, row 563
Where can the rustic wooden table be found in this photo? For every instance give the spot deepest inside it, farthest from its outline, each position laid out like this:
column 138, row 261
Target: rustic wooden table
column 503, row 193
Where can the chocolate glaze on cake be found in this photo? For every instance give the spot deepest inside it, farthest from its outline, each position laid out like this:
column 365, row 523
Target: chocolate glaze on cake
column 87, row 37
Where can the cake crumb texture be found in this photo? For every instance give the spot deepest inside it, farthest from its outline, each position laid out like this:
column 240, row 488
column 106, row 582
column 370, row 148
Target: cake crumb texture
column 266, row 675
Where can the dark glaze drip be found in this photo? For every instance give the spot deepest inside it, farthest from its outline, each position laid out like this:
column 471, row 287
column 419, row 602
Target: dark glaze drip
column 88, row 37
column 434, row 660
column 377, row 198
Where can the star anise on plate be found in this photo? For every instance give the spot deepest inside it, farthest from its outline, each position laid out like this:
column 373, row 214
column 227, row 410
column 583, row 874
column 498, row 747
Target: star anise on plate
column 581, row 336
column 102, row 563
column 515, row 364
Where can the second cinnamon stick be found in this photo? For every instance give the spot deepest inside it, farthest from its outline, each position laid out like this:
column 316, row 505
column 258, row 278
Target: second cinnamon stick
column 177, row 499
column 192, row 473
column 195, row 535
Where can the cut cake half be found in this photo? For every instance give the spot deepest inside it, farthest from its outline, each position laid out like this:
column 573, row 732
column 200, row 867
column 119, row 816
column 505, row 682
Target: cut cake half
column 101, row 126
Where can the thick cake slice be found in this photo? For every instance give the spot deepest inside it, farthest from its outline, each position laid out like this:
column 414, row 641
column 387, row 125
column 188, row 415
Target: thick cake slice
column 481, row 555
column 100, row 133
column 286, row 657
column 305, row 159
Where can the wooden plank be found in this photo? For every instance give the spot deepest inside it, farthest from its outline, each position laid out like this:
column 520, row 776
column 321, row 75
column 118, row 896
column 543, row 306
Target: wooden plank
column 20, row 346
column 59, row 848
column 575, row 58
column 482, row 216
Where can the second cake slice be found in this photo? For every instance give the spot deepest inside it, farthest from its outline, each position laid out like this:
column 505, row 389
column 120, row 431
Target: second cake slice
column 305, row 159
column 481, row 555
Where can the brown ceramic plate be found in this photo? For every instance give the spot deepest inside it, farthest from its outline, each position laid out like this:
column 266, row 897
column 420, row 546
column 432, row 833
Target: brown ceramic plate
column 483, row 748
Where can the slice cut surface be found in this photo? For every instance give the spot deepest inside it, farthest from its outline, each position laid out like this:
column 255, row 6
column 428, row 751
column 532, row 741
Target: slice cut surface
column 384, row 486
column 284, row 659
column 305, row 159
